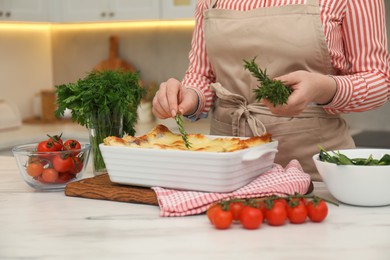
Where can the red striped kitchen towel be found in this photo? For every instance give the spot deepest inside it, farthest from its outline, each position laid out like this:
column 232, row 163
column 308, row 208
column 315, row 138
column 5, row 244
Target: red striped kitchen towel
column 276, row 181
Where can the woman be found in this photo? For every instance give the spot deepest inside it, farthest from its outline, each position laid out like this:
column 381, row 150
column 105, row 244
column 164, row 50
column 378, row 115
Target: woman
column 332, row 53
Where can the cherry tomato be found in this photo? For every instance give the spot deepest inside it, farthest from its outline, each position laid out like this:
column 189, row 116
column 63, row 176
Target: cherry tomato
column 317, row 210
column 63, row 162
column 296, row 212
column 222, row 218
column 276, row 214
column 210, row 212
column 34, row 169
column 251, row 218
column 64, row 177
column 33, row 158
column 46, row 146
column 72, row 144
column 77, row 165
column 49, row 175
column 57, row 141
column 236, row 208
column 282, row 201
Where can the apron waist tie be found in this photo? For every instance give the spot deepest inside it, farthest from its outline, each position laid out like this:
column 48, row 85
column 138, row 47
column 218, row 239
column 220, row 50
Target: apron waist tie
column 245, row 113
column 242, row 114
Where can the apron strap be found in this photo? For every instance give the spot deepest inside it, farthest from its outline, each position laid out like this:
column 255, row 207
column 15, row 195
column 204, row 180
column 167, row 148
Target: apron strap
column 243, row 112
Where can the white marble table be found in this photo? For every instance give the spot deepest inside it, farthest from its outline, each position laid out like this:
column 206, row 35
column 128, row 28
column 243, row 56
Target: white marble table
column 50, row 225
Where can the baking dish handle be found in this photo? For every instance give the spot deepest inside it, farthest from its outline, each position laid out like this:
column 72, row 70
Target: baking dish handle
column 254, row 155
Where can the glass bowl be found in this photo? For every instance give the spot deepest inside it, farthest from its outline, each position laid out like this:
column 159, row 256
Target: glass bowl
column 50, row 171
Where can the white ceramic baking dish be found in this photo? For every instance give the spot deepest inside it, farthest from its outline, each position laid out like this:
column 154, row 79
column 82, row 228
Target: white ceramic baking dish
column 187, row 170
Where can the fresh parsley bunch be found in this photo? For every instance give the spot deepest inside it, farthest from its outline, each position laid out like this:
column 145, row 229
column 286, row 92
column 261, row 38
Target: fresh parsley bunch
column 104, row 92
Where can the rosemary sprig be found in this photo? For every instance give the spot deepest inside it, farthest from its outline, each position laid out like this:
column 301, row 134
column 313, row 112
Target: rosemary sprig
column 273, row 90
column 180, row 124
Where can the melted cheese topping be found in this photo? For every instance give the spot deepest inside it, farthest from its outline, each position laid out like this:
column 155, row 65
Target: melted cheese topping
column 161, row 137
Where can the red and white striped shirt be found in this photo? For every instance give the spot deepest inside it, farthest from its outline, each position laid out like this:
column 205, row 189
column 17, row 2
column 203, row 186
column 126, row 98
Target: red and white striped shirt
column 355, row 33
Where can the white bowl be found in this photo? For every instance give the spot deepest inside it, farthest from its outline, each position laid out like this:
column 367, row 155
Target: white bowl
column 187, row 170
column 354, row 184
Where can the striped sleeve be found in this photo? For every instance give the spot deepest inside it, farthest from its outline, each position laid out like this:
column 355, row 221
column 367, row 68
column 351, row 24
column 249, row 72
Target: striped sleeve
column 199, row 74
column 365, row 83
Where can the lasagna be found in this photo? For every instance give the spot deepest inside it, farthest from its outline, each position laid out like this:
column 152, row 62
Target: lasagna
column 160, row 137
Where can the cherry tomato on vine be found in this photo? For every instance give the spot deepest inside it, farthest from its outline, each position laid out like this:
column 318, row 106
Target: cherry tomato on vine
column 317, row 210
column 276, row 214
column 77, row 165
column 62, row 162
column 296, row 212
column 34, row 169
column 49, row 175
column 64, row 177
column 236, row 207
column 222, row 219
column 57, row 141
column 210, row 212
column 72, row 144
column 46, row 146
column 282, row 201
column 251, row 218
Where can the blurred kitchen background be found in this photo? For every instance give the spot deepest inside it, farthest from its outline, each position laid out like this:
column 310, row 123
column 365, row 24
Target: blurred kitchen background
column 44, row 43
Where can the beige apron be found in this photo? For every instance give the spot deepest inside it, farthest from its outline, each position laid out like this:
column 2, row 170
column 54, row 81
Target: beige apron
column 284, row 39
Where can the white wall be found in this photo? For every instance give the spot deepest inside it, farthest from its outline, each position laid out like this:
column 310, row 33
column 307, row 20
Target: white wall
column 158, row 52
column 25, row 64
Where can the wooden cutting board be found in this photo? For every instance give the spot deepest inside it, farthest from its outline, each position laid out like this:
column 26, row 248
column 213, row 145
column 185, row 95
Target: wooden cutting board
column 113, row 62
column 100, row 187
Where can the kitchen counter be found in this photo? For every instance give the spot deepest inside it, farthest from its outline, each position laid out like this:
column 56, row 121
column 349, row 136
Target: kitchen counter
column 50, row 225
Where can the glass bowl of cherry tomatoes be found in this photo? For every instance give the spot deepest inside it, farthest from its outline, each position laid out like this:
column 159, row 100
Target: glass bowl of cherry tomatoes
column 50, row 164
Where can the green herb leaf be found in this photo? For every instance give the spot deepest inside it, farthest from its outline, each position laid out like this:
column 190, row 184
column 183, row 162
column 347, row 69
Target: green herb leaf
column 341, row 159
column 273, row 90
column 180, row 124
column 385, row 160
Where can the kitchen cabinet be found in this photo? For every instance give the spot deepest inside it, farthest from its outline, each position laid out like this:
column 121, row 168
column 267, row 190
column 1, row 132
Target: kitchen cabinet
column 24, row 10
column 69, row 11
column 108, row 10
column 177, row 9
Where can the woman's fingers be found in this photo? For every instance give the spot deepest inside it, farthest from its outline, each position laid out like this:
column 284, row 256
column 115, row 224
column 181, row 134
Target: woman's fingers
column 172, row 94
column 172, row 98
column 160, row 103
column 165, row 101
column 289, row 79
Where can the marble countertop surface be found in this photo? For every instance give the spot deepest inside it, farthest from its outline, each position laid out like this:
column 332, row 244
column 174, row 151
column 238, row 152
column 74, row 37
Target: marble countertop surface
column 50, row 225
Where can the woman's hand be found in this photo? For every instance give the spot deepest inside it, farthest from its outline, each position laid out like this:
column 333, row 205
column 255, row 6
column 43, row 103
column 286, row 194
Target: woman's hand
column 173, row 98
column 307, row 87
